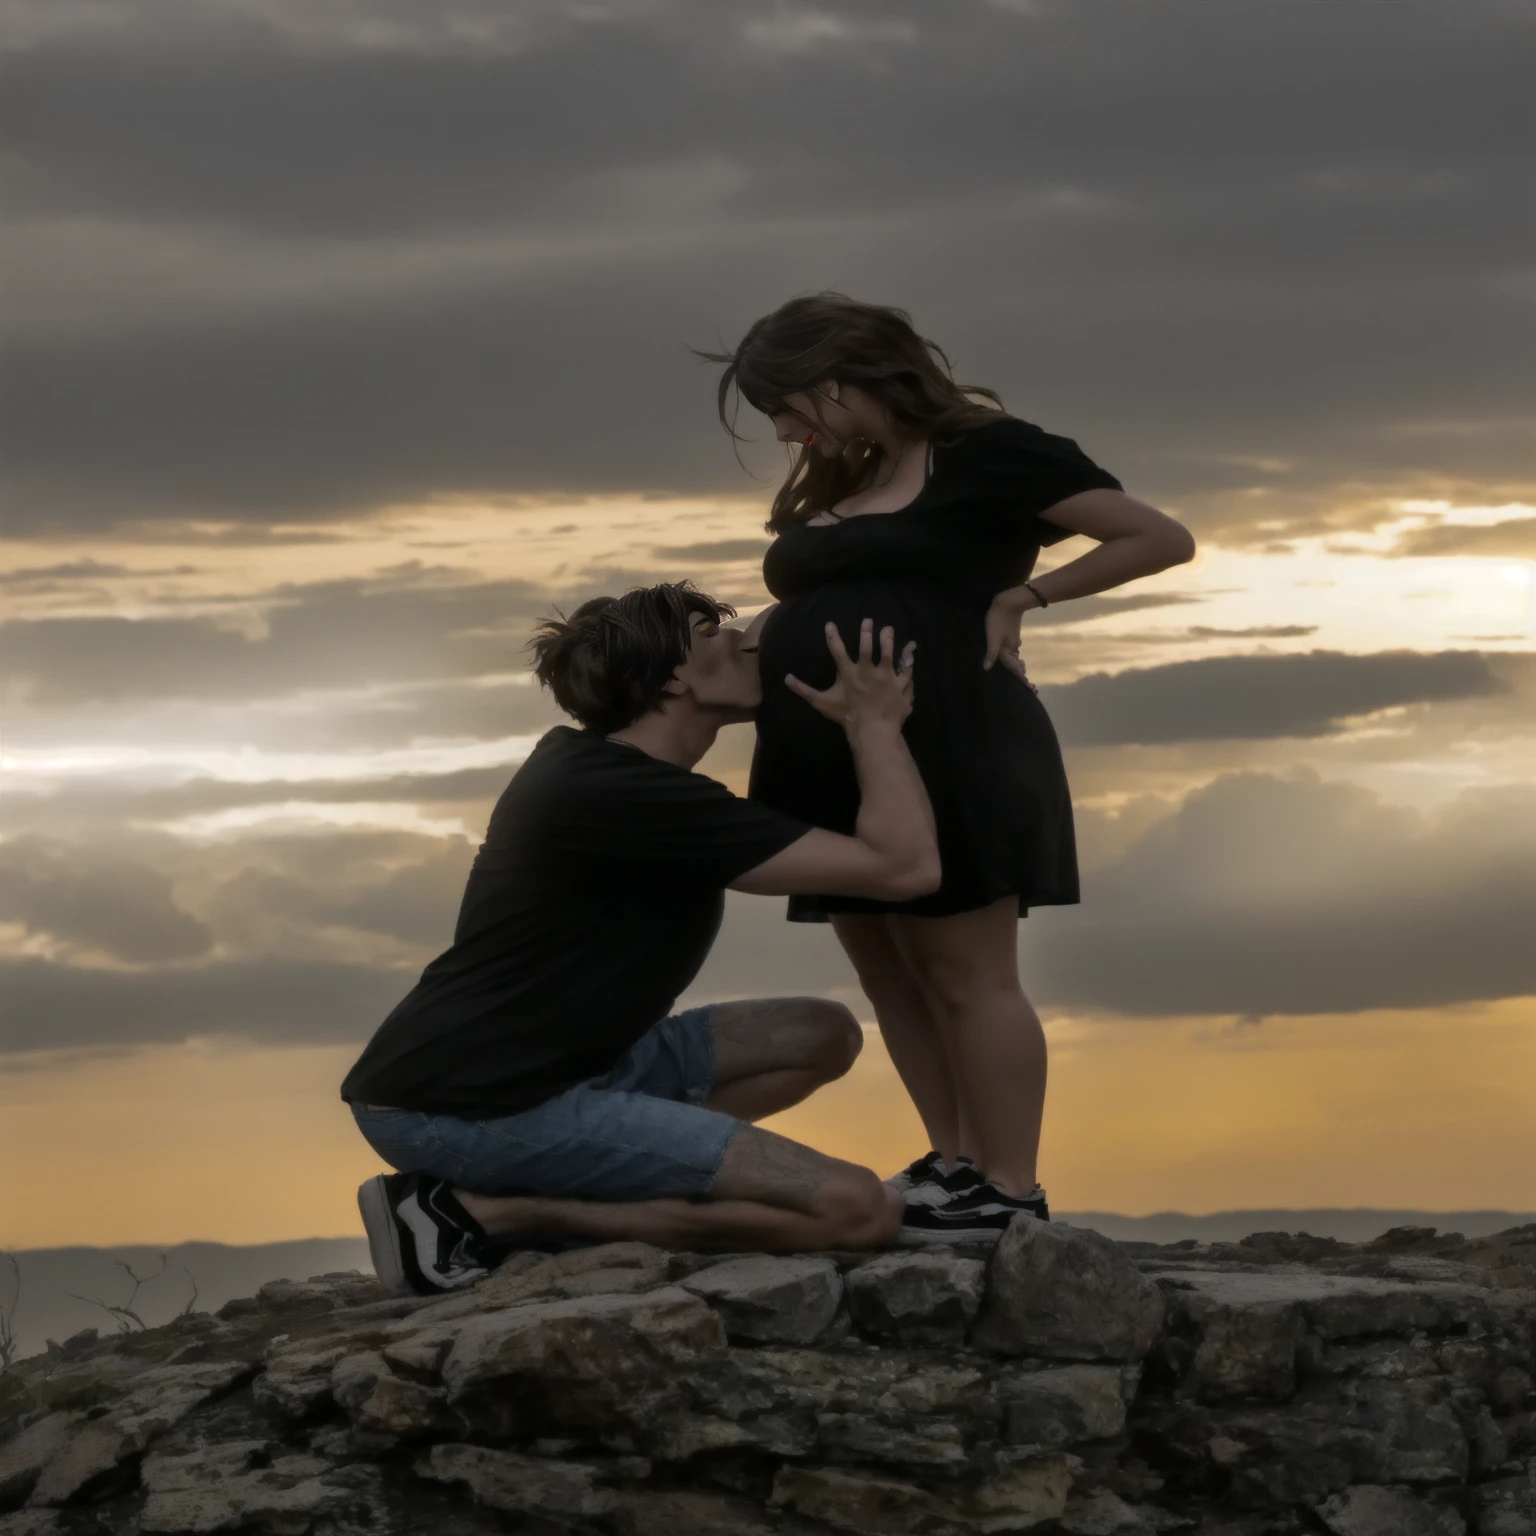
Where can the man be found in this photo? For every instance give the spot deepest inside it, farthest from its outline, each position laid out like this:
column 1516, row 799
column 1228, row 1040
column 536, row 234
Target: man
column 530, row 1088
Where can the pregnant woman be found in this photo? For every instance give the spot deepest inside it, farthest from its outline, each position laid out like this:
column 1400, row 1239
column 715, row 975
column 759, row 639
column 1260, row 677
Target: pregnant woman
column 912, row 500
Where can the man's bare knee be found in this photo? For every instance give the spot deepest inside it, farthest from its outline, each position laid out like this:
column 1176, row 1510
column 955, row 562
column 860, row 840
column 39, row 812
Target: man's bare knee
column 778, row 1034
column 840, row 1037
column 860, row 1210
column 829, row 1036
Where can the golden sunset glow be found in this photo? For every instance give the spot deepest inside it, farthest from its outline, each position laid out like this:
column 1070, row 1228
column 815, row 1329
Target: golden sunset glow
column 327, row 391
column 1422, row 1109
column 1432, row 1107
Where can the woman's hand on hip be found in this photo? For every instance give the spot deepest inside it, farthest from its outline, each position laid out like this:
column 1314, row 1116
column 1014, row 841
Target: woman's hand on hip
column 1003, row 623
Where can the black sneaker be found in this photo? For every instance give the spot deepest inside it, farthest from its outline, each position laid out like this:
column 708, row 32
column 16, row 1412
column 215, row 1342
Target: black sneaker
column 942, row 1188
column 924, row 1171
column 977, row 1215
column 419, row 1237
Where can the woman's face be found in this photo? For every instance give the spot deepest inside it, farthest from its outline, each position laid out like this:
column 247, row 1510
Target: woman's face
column 814, row 419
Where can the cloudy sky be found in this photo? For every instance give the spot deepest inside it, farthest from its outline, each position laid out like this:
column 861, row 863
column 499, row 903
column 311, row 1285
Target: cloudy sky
column 346, row 340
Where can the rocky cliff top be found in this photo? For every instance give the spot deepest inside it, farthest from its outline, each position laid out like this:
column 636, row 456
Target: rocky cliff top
column 1062, row 1382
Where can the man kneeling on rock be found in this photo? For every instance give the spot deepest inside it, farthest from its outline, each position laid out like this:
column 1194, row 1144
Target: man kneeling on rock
column 532, row 1089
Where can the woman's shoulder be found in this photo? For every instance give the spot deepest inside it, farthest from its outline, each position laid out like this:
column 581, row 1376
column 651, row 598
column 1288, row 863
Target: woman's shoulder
column 998, row 438
column 1008, row 448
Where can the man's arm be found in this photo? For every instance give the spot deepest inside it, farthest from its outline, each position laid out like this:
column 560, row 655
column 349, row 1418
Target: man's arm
column 893, row 854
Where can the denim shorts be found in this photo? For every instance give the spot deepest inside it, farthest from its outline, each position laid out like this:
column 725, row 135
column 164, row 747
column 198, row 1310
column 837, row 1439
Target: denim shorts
column 638, row 1132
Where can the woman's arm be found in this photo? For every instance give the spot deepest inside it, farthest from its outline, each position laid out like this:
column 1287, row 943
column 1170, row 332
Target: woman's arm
column 1133, row 540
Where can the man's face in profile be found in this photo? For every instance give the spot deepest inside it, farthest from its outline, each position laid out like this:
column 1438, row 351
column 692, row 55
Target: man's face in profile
column 721, row 670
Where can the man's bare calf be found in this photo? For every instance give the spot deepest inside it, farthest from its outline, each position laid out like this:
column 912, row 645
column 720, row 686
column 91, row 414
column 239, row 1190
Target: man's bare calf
column 771, row 1194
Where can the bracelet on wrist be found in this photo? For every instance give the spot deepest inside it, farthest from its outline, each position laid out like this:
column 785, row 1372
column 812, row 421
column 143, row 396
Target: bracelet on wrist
column 1034, row 592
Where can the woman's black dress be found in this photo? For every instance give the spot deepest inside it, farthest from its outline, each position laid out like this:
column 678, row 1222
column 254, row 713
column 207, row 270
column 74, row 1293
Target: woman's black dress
column 981, row 739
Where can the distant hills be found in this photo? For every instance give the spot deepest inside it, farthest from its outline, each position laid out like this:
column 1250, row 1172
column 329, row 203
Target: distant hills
column 219, row 1271
column 1348, row 1226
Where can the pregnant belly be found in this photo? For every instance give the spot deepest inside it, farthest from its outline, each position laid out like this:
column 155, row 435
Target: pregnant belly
column 981, row 739
column 945, row 623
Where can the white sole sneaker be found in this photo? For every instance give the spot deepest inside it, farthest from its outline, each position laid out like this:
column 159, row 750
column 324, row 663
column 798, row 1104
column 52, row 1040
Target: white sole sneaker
column 383, row 1236
column 909, row 1235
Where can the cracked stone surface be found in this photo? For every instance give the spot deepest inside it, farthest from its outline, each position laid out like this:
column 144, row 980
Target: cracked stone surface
column 1065, row 1383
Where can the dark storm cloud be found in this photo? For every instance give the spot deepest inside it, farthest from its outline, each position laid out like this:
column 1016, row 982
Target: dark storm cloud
column 1080, row 610
column 29, row 578
column 159, row 903
column 109, row 797
column 1252, row 632
column 55, row 1007
column 276, row 1001
column 418, row 636
column 1256, row 895
column 286, row 938
column 264, row 717
column 85, row 804
column 713, row 549
column 1258, row 697
column 122, row 908
column 402, row 629
column 268, row 264
column 399, row 887
column 420, row 639
column 1514, row 538
column 1268, row 895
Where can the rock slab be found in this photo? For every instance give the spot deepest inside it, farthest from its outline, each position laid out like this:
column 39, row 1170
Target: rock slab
column 766, row 1299
column 917, row 1297
column 1370, row 1510
column 1274, row 1387
column 1060, row 1294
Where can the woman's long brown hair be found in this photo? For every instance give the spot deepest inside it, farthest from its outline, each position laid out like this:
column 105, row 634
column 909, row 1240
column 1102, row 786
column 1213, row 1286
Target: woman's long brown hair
column 828, row 336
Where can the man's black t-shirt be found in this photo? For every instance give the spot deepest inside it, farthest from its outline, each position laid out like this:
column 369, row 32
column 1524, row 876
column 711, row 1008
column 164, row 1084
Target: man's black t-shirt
column 591, row 905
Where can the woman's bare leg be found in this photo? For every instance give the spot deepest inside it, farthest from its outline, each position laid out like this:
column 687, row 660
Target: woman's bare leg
column 967, row 966
column 907, row 1025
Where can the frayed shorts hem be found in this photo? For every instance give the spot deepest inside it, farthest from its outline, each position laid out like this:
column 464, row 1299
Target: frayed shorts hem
column 638, row 1132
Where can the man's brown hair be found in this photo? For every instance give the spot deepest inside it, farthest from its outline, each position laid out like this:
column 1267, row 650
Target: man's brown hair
column 610, row 661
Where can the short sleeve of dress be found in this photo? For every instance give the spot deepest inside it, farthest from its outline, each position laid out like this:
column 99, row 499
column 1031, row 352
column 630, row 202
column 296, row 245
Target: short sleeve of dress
column 1022, row 471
